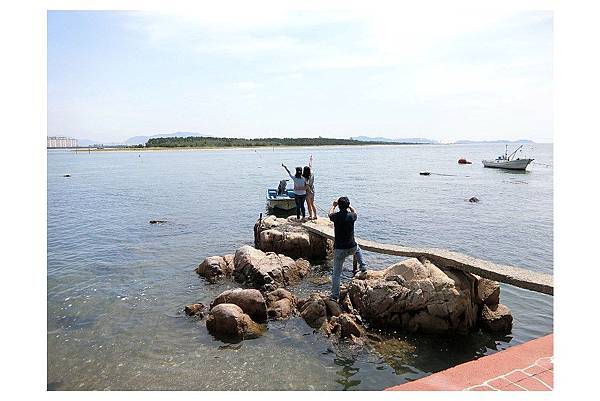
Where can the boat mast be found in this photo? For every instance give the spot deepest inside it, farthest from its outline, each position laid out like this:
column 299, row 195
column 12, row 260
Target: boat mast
column 513, row 153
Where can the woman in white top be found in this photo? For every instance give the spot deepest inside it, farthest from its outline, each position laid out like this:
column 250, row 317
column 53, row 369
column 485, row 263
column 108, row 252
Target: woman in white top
column 310, row 190
column 299, row 190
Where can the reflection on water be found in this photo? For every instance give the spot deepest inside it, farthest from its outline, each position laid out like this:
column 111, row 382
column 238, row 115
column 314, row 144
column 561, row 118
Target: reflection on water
column 348, row 370
column 117, row 284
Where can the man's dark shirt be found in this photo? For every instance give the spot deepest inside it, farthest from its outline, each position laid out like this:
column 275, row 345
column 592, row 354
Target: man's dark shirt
column 343, row 222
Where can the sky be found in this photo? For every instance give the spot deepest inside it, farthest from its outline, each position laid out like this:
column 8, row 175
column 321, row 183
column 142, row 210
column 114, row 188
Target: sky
column 303, row 70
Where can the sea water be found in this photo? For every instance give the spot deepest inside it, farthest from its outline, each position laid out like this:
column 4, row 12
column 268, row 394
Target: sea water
column 117, row 284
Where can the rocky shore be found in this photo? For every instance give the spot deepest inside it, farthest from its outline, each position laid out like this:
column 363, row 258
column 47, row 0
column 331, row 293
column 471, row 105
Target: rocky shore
column 413, row 295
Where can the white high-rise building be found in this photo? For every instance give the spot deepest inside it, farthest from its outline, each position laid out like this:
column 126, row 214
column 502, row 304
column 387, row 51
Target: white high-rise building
column 62, row 142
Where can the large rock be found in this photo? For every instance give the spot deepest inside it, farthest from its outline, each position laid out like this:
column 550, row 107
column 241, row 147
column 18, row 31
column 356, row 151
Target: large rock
column 325, row 315
column 267, row 271
column 194, row 310
column 229, row 322
column 314, row 311
column 251, row 301
column 214, row 268
column 348, row 326
column 288, row 237
column 488, row 291
column 497, row 318
column 279, row 294
column 332, row 307
column 417, row 296
column 280, row 304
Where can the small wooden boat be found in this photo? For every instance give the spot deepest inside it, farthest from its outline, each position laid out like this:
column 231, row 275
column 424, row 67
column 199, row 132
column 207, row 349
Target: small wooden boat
column 424, row 173
column 508, row 162
column 462, row 160
column 281, row 198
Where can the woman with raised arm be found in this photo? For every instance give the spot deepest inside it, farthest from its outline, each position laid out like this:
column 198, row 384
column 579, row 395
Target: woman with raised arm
column 309, row 176
column 299, row 190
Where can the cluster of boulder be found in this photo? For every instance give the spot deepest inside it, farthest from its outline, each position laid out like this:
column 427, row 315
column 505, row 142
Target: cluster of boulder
column 240, row 314
column 417, row 296
column 254, row 268
column 413, row 295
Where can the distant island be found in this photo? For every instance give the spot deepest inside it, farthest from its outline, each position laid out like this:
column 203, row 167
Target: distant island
column 466, row 142
column 182, row 139
column 214, row 142
column 432, row 141
column 396, row 140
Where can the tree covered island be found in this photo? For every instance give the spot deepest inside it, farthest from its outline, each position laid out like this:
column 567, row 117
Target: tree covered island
column 213, row 142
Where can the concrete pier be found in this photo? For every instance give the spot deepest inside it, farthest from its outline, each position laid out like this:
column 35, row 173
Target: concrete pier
column 519, row 277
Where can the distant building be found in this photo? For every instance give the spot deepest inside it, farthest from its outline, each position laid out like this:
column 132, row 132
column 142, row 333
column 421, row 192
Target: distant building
column 62, row 142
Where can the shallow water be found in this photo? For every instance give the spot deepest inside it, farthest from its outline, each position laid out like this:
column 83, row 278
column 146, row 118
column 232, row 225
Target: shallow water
column 117, row 284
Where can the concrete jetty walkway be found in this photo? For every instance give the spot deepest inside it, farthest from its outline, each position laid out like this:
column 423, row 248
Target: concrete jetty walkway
column 524, row 367
column 519, row 277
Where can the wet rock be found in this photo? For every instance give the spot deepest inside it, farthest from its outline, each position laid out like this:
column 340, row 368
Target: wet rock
column 279, row 294
column 281, row 309
column 194, row 310
column 333, row 308
column 357, row 341
column 288, row 237
column 427, row 322
column 416, row 296
column 313, row 311
column 496, row 318
column 214, row 268
column 345, row 302
column 488, row 291
column 251, row 302
column 327, row 316
column 280, row 304
column 349, row 326
column 267, row 271
column 229, row 322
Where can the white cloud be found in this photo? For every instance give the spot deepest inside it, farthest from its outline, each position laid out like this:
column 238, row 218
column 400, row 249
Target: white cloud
column 348, row 66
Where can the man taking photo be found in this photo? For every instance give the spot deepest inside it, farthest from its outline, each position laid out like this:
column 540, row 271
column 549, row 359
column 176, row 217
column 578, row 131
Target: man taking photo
column 344, row 243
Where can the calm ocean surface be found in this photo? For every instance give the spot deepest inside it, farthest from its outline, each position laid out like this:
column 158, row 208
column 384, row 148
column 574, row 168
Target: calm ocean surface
column 117, row 284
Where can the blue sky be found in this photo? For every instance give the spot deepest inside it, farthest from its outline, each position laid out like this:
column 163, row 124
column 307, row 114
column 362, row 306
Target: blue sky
column 298, row 71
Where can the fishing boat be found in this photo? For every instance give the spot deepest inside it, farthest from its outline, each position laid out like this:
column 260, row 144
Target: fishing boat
column 508, row 162
column 281, row 198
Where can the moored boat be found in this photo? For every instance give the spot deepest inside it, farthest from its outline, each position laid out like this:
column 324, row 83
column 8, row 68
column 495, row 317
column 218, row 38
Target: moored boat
column 281, row 198
column 508, row 162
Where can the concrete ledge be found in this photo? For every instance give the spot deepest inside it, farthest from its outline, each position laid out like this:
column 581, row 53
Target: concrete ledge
column 522, row 278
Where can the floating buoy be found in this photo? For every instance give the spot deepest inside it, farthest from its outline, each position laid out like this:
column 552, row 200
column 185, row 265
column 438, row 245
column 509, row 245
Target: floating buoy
column 463, row 161
column 67, row 175
column 424, row 173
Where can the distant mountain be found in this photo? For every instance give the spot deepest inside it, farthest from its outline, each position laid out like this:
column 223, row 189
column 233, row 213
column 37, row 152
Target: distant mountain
column 87, row 142
column 142, row 139
column 400, row 140
column 462, row 142
column 92, row 142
